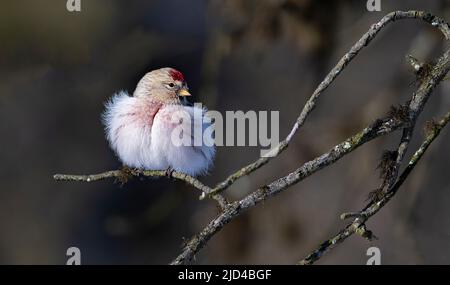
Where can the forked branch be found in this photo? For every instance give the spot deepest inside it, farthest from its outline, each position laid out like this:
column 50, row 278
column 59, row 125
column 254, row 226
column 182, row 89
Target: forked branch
column 384, row 126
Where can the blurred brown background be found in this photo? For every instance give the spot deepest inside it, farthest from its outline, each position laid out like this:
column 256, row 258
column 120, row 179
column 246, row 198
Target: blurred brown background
column 57, row 68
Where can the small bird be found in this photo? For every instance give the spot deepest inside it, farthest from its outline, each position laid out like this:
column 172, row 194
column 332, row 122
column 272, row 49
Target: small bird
column 140, row 127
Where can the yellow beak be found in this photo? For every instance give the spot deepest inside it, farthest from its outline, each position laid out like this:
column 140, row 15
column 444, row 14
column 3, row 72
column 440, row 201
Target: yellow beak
column 183, row 92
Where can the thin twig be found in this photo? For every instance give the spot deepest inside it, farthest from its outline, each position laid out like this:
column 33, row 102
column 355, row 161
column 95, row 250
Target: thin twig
column 332, row 75
column 378, row 128
column 125, row 174
column 372, row 208
column 419, row 99
column 415, row 108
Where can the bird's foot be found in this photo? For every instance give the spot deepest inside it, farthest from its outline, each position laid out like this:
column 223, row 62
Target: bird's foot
column 169, row 172
column 125, row 174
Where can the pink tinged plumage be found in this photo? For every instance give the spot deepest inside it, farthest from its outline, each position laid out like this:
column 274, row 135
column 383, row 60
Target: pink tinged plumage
column 139, row 128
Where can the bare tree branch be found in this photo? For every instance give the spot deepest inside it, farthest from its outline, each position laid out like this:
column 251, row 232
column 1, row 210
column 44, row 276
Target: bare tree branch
column 123, row 176
column 358, row 224
column 231, row 210
column 332, row 75
column 418, row 101
column 378, row 128
column 392, row 185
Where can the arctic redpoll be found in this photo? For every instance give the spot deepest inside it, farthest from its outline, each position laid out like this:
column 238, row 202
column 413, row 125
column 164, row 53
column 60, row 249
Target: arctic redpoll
column 140, row 128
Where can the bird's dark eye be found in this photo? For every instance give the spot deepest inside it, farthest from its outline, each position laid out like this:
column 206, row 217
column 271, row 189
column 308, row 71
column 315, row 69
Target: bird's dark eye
column 170, row 85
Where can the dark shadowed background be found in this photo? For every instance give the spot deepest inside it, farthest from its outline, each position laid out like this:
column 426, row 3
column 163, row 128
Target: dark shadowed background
column 57, row 69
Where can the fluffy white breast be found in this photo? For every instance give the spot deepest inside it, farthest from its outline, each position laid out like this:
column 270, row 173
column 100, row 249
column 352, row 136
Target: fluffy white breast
column 141, row 133
column 179, row 131
column 128, row 124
